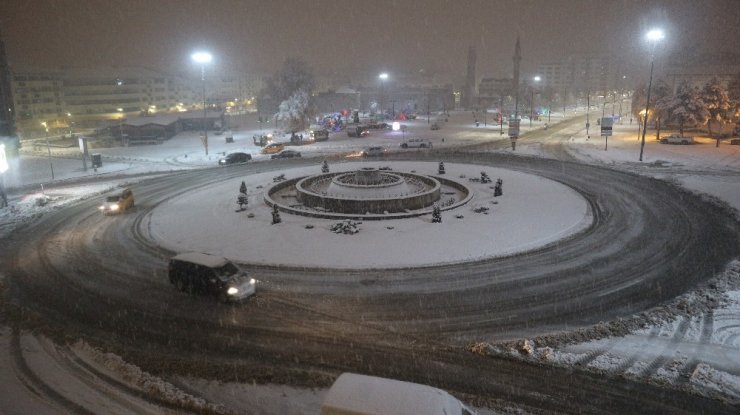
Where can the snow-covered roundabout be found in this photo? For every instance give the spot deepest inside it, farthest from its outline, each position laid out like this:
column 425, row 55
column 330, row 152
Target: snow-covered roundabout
column 531, row 213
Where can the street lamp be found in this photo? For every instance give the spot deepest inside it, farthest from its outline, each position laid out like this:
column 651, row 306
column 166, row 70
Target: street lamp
column 69, row 121
column 383, row 77
column 48, row 148
column 203, row 58
column 531, row 103
column 120, row 124
column 653, row 36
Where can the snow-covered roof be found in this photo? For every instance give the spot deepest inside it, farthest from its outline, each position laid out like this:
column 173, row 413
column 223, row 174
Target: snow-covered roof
column 345, row 90
column 206, row 260
column 164, row 119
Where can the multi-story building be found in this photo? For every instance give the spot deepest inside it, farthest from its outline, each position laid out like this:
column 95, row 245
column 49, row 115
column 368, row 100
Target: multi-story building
column 580, row 74
column 37, row 97
column 7, row 121
column 699, row 70
column 88, row 98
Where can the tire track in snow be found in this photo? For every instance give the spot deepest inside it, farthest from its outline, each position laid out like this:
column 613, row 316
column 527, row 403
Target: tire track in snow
column 707, row 330
column 668, row 350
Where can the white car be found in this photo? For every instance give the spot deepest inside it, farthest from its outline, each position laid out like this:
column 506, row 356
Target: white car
column 416, row 143
column 675, row 139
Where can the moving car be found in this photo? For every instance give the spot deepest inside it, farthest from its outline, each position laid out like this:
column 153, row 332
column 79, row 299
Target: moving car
column 198, row 273
column 357, row 131
column 235, row 158
column 435, row 126
column 675, row 139
column 118, row 203
column 416, row 143
column 374, row 152
column 353, row 394
column 286, row 154
column 273, row 148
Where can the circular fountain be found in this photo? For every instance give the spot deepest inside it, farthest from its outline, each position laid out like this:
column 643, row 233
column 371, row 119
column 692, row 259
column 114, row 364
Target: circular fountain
column 366, row 193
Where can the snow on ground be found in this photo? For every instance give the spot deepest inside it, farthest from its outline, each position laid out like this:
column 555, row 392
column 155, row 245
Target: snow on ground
column 532, row 212
column 685, row 344
column 700, row 348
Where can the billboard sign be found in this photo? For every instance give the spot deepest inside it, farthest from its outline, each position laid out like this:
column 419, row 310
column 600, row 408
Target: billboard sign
column 514, row 129
column 606, row 126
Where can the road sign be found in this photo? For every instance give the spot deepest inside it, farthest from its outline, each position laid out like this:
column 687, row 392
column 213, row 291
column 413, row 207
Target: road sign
column 606, row 126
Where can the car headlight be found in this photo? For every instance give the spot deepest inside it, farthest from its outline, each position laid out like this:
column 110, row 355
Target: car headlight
column 252, row 281
column 114, row 207
column 232, row 291
column 101, row 207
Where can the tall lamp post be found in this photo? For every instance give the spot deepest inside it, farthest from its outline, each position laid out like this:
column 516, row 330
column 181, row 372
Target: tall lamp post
column 203, row 58
column 653, row 36
column 383, row 77
column 48, row 148
column 120, row 125
column 531, row 103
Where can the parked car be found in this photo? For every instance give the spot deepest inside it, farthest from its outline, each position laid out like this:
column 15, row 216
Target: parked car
column 357, row 131
column 118, row 203
column 286, row 154
column 416, row 143
column 675, row 139
column 374, row 152
column 320, row 135
column 235, row 158
column 735, row 142
column 273, row 148
column 198, row 273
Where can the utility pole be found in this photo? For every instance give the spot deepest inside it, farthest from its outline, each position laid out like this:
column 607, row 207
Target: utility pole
column 588, row 107
column 501, row 113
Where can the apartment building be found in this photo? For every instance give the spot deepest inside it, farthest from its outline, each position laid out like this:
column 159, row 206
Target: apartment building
column 71, row 98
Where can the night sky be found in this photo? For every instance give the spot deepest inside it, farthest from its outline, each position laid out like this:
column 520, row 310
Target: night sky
column 354, row 36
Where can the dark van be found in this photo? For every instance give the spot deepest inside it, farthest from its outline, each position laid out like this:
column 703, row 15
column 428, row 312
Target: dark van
column 198, row 273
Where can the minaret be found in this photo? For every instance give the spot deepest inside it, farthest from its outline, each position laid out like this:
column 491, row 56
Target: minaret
column 468, row 92
column 515, row 83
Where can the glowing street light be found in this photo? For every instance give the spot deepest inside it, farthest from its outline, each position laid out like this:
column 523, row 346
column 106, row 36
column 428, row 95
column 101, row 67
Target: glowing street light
column 203, row 58
column 537, row 79
column 653, row 36
column 48, row 147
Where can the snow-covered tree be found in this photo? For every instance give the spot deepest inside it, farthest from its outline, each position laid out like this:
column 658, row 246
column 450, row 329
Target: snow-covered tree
column 498, row 188
column 242, row 200
column 639, row 97
column 325, row 167
column 294, row 75
column 275, row 214
column 294, row 112
column 441, row 169
column 436, row 214
column 660, row 97
column 717, row 101
column 733, row 93
column 687, row 107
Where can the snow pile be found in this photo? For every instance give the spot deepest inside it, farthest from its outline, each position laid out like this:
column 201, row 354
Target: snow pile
column 654, row 346
column 152, row 385
column 347, row 227
column 716, row 381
